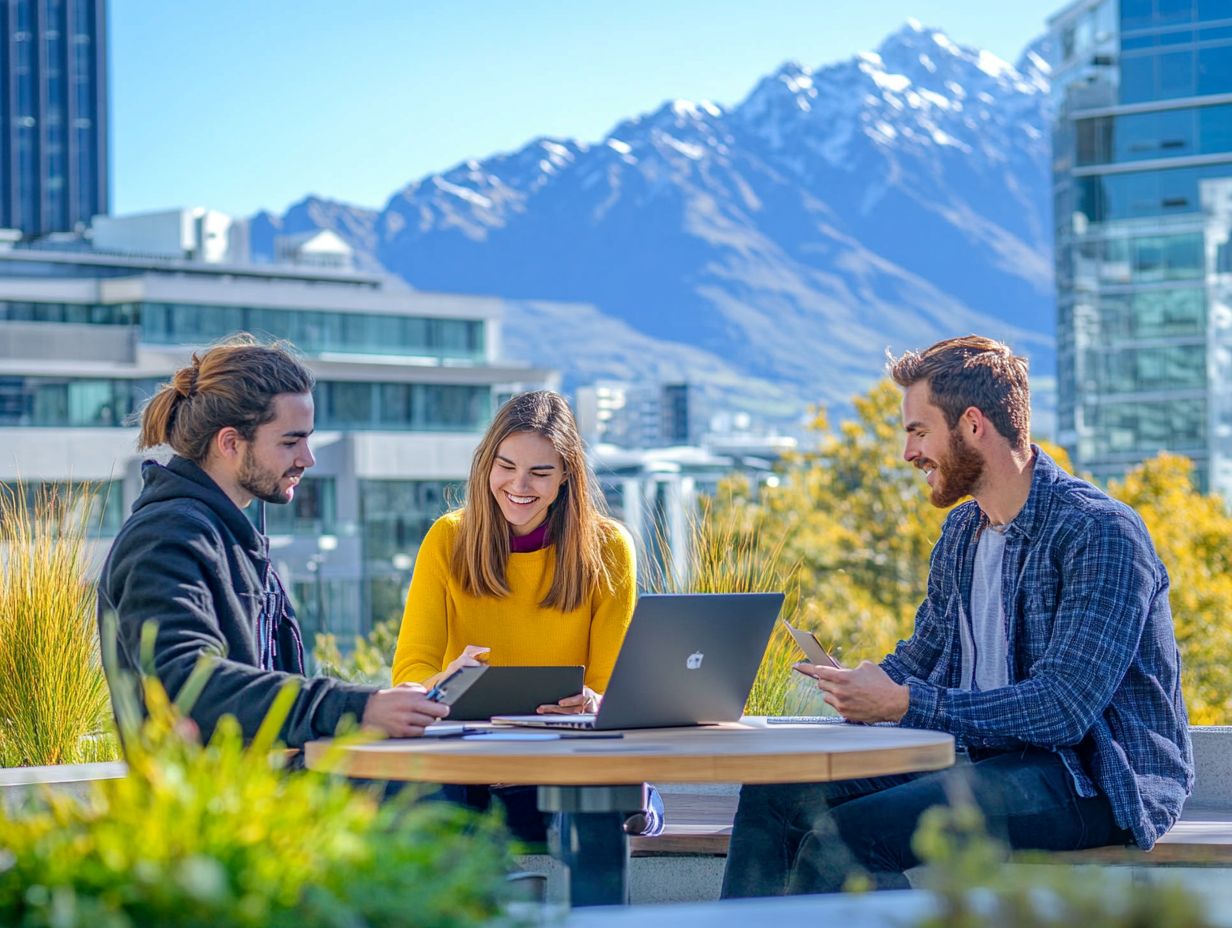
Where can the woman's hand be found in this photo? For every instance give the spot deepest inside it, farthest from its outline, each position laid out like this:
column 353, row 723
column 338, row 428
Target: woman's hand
column 471, row 656
column 586, row 701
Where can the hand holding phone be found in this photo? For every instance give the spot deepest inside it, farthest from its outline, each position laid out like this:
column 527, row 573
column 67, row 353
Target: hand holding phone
column 812, row 648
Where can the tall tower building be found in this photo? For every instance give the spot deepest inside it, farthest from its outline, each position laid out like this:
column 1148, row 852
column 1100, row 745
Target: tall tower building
column 53, row 114
column 1142, row 156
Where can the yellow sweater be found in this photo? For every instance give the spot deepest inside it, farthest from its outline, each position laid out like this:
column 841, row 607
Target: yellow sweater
column 441, row 619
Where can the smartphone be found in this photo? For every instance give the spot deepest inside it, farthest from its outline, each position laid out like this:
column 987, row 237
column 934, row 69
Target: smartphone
column 812, row 648
column 450, row 690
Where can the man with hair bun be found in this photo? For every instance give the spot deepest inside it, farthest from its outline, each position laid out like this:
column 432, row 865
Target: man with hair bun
column 1044, row 645
column 191, row 563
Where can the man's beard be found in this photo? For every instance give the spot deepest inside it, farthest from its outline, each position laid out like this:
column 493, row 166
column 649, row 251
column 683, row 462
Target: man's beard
column 958, row 474
column 261, row 483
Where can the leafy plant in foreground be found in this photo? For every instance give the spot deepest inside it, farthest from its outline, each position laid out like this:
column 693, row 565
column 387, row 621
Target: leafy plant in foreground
column 976, row 888
column 203, row 836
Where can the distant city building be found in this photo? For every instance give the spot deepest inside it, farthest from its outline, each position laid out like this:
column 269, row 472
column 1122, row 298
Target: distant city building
column 53, row 115
column 638, row 415
column 406, row 383
column 321, row 248
column 194, row 234
column 656, row 492
column 1142, row 149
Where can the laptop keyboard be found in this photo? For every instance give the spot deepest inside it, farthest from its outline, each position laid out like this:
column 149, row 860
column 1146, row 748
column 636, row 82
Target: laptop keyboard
column 803, row 720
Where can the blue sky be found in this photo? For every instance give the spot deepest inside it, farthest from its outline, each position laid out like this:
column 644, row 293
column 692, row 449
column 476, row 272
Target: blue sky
column 247, row 104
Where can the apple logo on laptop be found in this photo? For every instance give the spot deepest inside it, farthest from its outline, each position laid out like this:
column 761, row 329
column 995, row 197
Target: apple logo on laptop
column 694, row 660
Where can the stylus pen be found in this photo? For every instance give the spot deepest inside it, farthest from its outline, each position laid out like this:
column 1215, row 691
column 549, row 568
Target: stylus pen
column 591, row 734
column 539, row 731
column 461, row 732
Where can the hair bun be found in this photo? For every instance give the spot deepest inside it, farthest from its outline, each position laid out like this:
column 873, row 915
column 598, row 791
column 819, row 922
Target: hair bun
column 185, row 380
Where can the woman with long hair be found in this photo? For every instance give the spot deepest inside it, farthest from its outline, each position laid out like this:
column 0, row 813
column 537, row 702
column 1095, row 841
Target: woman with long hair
column 528, row 572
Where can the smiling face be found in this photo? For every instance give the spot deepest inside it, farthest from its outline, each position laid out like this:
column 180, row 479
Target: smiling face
column 525, row 480
column 276, row 458
column 951, row 467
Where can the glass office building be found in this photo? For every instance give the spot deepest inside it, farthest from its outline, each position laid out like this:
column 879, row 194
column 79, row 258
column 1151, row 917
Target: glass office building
column 1142, row 154
column 406, row 383
column 53, row 115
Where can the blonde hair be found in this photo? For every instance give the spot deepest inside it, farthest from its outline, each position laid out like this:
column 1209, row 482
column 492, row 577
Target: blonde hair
column 576, row 522
column 231, row 384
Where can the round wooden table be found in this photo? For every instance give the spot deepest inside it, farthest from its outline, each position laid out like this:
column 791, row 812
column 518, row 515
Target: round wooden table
column 595, row 782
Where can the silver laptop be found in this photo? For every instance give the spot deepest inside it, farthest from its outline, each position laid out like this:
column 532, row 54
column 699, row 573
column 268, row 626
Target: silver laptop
column 688, row 658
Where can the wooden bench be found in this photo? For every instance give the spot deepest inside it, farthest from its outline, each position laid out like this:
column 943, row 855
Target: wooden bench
column 700, row 826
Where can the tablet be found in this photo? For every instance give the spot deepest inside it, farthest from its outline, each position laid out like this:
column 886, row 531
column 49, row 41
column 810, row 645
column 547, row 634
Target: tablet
column 515, row 691
column 454, row 686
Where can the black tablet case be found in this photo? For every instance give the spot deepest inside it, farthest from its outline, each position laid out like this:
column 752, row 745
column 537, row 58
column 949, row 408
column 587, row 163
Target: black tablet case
column 515, row 691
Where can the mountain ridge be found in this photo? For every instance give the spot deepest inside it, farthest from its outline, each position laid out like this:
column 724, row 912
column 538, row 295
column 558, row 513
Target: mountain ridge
column 880, row 202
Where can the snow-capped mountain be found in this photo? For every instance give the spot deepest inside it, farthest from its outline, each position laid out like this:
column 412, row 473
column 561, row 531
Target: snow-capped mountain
column 770, row 251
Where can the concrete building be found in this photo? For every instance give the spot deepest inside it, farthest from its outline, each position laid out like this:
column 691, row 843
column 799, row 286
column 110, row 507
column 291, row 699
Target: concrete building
column 1142, row 146
column 656, row 492
column 407, row 381
column 195, row 234
column 53, row 115
column 322, row 248
column 631, row 415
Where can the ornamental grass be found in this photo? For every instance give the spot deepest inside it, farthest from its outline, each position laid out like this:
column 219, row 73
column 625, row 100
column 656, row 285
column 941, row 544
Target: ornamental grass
column 727, row 551
column 54, row 706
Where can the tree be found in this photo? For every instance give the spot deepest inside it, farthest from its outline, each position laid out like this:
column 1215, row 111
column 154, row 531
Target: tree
column 1193, row 535
column 856, row 522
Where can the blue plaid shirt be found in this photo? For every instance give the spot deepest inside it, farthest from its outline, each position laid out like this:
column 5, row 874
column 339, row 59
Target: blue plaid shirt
column 1094, row 670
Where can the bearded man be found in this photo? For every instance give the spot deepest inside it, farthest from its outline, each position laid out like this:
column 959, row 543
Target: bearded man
column 191, row 564
column 1045, row 646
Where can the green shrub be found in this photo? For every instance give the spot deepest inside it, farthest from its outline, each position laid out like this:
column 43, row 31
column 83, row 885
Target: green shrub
column 54, row 707
column 977, row 889
column 370, row 661
column 220, row 835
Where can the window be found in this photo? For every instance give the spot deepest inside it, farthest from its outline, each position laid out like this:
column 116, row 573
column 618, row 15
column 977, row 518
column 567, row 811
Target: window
column 1137, row 78
column 1169, row 12
column 1146, row 428
column 1137, row 14
column 1214, row 69
column 325, row 605
column 316, row 332
column 400, row 407
column 397, row 405
column 313, row 510
column 449, row 407
column 396, row 514
column 100, row 503
column 93, row 403
column 78, row 313
column 1144, row 193
column 348, row 405
column 1167, row 257
column 1175, row 74
column 1208, row 10
column 1155, row 313
column 71, row 402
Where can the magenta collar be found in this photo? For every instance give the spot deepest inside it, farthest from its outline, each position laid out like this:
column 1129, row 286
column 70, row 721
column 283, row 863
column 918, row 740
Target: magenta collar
column 535, row 541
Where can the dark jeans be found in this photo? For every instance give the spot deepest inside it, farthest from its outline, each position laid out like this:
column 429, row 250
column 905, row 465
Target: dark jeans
column 522, row 816
column 809, row 837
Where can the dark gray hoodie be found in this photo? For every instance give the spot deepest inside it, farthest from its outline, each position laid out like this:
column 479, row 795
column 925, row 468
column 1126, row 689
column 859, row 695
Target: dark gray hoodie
column 191, row 562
